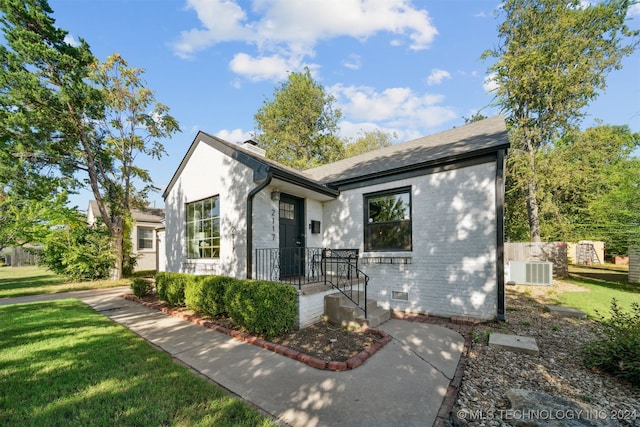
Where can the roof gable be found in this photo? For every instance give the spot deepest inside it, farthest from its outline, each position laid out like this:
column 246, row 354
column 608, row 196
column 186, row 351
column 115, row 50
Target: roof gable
column 260, row 165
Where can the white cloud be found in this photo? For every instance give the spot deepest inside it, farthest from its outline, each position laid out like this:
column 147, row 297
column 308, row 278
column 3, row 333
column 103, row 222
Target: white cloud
column 399, row 110
column 70, row 40
column 261, row 68
column 490, row 84
column 437, row 76
column 283, row 27
column 634, row 10
column 353, row 62
column 237, row 136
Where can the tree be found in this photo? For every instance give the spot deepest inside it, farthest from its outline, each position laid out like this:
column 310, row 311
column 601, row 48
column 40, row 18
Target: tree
column 61, row 108
column 368, row 141
column 132, row 125
column 552, row 59
column 298, row 127
column 78, row 250
column 25, row 221
column 589, row 187
column 594, row 181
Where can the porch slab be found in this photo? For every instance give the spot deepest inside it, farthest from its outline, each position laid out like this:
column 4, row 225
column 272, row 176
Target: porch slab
column 565, row 311
column 515, row 343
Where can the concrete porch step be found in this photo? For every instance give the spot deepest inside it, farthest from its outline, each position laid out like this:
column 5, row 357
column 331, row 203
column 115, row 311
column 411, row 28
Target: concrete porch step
column 340, row 310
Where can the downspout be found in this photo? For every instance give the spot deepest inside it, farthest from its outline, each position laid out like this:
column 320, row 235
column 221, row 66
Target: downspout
column 500, row 163
column 265, row 175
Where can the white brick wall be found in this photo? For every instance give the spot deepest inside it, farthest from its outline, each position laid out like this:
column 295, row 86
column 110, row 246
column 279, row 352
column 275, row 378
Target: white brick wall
column 208, row 173
column 453, row 261
column 452, row 268
column 311, row 308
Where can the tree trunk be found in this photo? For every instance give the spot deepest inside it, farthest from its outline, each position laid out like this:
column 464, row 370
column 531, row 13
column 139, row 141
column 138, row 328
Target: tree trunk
column 532, row 210
column 532, row 198
column 117, row 232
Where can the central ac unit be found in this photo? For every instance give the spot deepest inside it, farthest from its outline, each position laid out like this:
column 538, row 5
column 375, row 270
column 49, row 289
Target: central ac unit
column 531, row 272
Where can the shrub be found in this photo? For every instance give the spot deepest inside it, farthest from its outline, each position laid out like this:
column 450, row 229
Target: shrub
column 170, row 287
column 213, row 294
column 264, row 308
column 617, row 348
column 79, row 251
column 193, row 294
column 141, row 287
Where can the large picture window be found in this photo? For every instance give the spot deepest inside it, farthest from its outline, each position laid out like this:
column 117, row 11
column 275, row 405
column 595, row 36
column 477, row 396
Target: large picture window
column 388, row 220
column 203, row 228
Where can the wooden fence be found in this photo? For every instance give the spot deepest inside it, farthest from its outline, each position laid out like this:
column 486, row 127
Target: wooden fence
column 555, row 252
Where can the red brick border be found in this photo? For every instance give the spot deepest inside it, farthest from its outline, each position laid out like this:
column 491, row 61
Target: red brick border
column 332, row 365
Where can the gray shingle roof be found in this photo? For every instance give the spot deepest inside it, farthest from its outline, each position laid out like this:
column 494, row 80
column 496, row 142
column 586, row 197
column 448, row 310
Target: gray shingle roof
column 139, row 215
column 472, row 140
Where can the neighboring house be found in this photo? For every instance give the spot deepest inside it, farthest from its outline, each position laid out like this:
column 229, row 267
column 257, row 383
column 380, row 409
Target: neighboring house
column 143, row 234
column 421, row 220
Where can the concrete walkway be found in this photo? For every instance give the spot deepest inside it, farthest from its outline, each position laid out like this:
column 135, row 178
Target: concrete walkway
column 402, row 384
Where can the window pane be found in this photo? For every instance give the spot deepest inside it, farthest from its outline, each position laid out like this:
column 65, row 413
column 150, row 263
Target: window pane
column 389, row 208
column 388, row 222
column 145, row 238
column 203, row 229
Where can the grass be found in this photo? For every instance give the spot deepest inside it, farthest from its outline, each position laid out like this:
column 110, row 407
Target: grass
column 22, row 281
column 602, row 288
column 61, row 363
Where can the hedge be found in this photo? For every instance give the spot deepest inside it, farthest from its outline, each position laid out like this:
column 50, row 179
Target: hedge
column 205, row 294
column 170, row 287
column 264, row 308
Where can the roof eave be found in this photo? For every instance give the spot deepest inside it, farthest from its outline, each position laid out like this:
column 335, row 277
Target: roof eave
column 422, row 165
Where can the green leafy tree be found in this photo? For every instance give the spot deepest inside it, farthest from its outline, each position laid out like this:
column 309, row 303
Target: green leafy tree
column 59, row 107
column 589, row 187
column 79, row 251
column 594, row 182
column 368, row 141
column 553, row 57
column 25, row 221
column 298, row 127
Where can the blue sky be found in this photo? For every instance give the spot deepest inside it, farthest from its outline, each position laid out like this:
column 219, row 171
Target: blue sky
column 409, row 68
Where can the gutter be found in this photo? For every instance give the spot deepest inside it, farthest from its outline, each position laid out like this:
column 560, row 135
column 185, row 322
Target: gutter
column 265, row 175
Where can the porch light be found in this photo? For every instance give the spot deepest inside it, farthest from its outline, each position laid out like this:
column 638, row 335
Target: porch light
column 275, row 195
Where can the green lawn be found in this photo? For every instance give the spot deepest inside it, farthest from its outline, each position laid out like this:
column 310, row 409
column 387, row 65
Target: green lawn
column 602, row 285
column 20, row 281
column 61, row 363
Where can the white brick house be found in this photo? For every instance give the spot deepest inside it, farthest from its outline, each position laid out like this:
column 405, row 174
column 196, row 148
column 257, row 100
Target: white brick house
column 424, row 219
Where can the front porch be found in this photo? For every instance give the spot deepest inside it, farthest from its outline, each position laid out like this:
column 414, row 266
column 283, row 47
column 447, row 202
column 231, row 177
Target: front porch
column 321, row 274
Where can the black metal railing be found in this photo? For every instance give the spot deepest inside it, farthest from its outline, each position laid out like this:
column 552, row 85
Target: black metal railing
column 340, row 270
column 295, row 266
column 304, row 266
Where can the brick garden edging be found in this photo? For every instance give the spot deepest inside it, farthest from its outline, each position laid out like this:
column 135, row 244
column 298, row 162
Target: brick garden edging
column 332, row 365
column 462, row 325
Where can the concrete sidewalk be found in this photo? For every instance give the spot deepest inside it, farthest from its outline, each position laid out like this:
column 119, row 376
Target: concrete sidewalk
column 402, row 384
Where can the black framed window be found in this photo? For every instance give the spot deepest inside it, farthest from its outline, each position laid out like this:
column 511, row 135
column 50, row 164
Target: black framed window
column 203, row 228
column 387, row 218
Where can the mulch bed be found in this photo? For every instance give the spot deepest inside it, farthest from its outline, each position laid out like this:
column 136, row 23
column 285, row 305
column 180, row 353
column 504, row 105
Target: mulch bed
column 322, row 345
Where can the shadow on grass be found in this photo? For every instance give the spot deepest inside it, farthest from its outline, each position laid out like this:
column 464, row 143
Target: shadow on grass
column 71, row 366
column 48, row 279
column 610, row 280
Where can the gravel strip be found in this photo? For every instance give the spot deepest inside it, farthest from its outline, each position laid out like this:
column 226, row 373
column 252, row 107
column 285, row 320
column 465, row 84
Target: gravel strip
column 556, row 370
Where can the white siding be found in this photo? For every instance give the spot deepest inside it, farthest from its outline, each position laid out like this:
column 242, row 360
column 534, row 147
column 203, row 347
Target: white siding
column 452, row 268
column 208, row 172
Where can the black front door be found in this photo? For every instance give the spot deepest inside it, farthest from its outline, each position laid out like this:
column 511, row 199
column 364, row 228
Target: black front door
column 291, row 236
